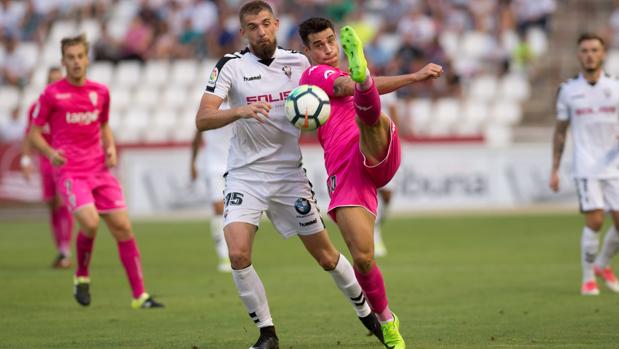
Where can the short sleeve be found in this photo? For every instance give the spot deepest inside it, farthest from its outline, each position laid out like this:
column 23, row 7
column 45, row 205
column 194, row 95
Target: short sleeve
column 221, row 78
column 105, row 108
column 563, row 112
column 42, row 109
column 323, row 76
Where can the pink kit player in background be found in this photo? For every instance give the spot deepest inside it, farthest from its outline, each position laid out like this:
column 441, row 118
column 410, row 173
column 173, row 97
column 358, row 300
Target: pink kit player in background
column 82, row 150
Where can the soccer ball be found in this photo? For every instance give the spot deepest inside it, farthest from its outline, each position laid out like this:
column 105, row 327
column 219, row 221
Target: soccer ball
column 308, row 107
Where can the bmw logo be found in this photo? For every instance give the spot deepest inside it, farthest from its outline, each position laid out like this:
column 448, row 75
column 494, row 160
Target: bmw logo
column 302, row 206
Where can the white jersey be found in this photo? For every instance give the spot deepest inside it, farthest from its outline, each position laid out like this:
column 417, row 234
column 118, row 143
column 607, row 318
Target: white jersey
column 243, row 78
column 593, row 113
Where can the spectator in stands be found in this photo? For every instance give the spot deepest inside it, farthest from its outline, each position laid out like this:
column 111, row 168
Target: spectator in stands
column 15, row 71
column 11, row 14
column 531, row 14
column 613, row 27
column 138, row 39
column 377, row 55
column 164, row 46
column 203, row 15
column 220, row 39
column 419, row 25
column 32, row 25
column 12, row 129
column 188, row 40
column 106, row 47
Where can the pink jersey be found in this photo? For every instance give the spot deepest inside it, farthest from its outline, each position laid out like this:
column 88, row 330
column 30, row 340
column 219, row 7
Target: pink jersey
column 75, row 114
column 340, row 134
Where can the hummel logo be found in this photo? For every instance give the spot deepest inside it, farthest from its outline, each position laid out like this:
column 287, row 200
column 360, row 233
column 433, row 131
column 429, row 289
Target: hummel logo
column 363, row 108
column 257, row 77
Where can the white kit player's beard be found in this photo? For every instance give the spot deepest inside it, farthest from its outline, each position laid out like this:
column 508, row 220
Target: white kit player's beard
column 264, row 51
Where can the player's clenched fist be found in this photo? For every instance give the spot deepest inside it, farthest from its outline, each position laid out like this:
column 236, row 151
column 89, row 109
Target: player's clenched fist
column 431, row 70
column 257, row 110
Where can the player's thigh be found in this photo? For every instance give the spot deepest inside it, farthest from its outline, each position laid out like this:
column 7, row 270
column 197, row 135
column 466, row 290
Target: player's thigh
column 383, row 171
column 590, row 195
column 119, row 224
column 88, row 219
column 357, row 227
column 374, row 140
column 293, row 208
column 107, row 193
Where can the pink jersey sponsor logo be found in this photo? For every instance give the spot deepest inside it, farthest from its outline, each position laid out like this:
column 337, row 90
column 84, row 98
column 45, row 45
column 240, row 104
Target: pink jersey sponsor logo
column 82, row 118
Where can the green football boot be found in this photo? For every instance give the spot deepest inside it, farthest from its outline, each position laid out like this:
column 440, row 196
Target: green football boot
column 353, row 48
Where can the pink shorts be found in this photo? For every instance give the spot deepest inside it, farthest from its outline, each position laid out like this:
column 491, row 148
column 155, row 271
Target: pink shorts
column 101, row 189
column 47, row 179
column 356, row 184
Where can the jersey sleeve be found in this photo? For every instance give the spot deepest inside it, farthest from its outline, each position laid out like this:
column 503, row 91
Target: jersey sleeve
column 221, row 78
column 563, row 111
column 323, row 76
column 105, row 108
column 42, row 109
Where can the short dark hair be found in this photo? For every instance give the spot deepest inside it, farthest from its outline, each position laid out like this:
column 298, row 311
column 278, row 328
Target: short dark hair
column 312, row 26
column 591, row 36
column 75, row 40
column 253, row 8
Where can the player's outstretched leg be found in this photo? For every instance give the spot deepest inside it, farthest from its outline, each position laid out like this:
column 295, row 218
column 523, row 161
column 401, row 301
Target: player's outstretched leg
column 602, row 263
column 366, row 97
column 130, row 258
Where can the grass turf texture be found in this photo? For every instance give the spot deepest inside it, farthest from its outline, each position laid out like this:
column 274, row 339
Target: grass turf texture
column 456, row 282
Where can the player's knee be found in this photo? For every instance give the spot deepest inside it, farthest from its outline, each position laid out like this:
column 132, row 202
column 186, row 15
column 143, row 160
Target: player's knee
column 363, row 261
column 239, row 259
column 89, row 227
column 328, row 261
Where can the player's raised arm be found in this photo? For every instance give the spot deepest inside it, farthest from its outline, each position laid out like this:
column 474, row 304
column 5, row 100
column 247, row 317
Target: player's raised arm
column 210, row 117
column 345, row 86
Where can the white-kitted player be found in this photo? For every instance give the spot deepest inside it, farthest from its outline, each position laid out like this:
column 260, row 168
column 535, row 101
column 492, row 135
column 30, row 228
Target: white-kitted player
column 211, row 169
column 589, row 103
column 264, row 172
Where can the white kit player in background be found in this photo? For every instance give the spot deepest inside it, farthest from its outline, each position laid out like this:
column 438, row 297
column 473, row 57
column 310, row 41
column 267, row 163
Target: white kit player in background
column 589, row 103
column 388, row 103
column 211, row 169
column 264, row 172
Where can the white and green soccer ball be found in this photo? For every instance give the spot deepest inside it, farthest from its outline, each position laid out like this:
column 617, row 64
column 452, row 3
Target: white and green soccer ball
column 308, row 107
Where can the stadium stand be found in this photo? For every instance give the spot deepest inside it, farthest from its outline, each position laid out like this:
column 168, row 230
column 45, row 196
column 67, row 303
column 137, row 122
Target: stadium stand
column 156, row 56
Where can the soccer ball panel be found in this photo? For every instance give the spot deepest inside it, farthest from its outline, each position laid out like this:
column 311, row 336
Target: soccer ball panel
column 307, row 107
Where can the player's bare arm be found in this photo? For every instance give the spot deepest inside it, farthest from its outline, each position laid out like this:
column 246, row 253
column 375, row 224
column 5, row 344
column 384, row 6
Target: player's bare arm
column 344, row 86
column 211, row 117
column 109, row 146
column 36, row 138
column 195, row 146
column 26, row 159
column 558, row 145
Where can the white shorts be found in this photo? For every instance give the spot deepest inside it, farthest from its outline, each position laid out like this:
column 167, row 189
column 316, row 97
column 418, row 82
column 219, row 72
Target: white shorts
column 598, row 194
column 287, row 199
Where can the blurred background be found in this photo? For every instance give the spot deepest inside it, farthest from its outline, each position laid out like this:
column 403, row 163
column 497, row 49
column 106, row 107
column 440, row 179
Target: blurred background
column 478, row 138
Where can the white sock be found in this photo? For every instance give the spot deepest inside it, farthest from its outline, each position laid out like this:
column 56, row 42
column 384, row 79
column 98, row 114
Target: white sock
column 609, row 248
column 589, row 247
column 252, row 294
column 344, row 277
column 217, row 232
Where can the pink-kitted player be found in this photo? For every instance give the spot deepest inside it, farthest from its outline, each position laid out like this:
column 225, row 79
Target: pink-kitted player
column 61, row 221
column 82, row 151
column 361, row 149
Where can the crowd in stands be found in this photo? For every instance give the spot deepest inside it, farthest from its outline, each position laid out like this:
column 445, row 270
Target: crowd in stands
column 469, row 38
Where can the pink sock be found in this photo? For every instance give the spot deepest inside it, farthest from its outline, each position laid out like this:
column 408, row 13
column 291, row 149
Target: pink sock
column 130, row 257
column 373, row 286
column 56, row 223
column 367, row 104
column 84, row 252
column 66, row 227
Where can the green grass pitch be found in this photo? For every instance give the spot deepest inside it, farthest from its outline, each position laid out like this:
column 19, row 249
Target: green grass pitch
column 494, row 281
